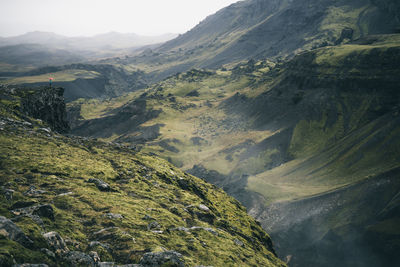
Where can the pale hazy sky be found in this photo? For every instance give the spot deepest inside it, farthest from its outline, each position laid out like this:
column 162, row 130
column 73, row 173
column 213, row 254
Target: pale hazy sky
column 89, row 17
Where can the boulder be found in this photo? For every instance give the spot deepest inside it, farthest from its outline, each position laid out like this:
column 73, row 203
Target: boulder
column 153, row 225
column 101, row 185
column 56, row 242
column 95, row 256
column 238, row 242
column 33, row 192
column 78, row 258
column 45, row 210
column 8, row 194
column 113, row 216
column 165, row 258
column 11, row 231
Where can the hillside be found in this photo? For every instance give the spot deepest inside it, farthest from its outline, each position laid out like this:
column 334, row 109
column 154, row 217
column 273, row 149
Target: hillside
column 83, row 202
column 274, row 29
column 272, row 133
column 83, row 80
column 37, row 55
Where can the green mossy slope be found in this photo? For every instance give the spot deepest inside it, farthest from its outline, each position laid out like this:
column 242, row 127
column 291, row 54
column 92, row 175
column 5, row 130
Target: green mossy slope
column 150, row 205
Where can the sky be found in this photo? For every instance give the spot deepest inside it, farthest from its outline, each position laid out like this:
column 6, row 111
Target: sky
column 90, row 17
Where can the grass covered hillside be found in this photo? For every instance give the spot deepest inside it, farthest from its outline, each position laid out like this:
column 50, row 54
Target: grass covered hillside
column 271, row 133
column 79, row 201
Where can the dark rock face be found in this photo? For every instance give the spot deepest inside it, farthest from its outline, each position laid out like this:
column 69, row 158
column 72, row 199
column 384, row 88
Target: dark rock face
column 44, row 211
column 47, row 104
column 166, row 258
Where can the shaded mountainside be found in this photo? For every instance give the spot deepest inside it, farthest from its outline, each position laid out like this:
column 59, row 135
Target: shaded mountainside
column 275, row 29
column 269, row 133
column 357, row 225
column 79, row 201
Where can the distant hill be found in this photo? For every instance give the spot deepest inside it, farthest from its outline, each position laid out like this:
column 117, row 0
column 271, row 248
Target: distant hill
column 46, row 48
column 37, row 55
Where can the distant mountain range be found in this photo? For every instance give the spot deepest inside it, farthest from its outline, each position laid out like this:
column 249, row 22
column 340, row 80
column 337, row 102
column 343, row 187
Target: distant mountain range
column 110, row 40
column 46, row 48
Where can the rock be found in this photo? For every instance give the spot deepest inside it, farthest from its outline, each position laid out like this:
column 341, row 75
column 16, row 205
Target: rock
column 8, row 194
column 153, row 225
column 238, row 242
column 22, row 204
column 36, row 212
column 101, row 185
column 105, row 233
column 147, row 217
column 46, row 130
column 97, row 243
column 212, row 231
column 113, row 216
column 194, row 228
column 46, row 211
column 11, row 231
column 56, row 242
column 113, row 234
column 78, row 258
column 204, row 208
column 202, row 212
column 94, row 256
column 65, row 194
column 49, row 253
column 32, row 192
column 165, row 258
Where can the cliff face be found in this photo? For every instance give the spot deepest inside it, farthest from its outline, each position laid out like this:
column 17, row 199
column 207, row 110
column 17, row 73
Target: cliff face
column 46, row 104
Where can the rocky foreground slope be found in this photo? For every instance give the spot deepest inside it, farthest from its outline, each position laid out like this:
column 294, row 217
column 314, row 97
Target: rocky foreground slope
column 69, row 201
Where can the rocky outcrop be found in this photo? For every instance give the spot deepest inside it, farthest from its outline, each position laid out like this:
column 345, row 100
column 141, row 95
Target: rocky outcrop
column 46, row 104
column 165, row 258
column 10, row 230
